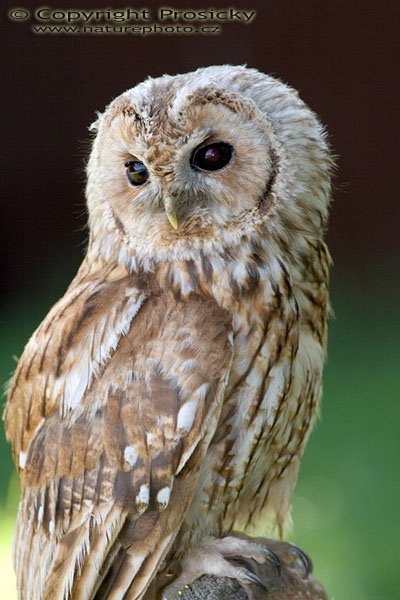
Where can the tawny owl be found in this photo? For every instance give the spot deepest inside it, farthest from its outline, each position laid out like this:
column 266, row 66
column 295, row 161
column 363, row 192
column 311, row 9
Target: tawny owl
column 166, row 399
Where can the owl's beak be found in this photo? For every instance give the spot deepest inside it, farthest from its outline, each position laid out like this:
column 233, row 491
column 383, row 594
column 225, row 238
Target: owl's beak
column 171, row 210
column 172, row 219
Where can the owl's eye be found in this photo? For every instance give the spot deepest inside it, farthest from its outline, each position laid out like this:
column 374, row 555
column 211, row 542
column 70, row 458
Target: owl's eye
column 212, row 157
column 136, row 172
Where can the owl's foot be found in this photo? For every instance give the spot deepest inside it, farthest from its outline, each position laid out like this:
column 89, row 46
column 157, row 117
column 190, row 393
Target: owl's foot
column 224, row 557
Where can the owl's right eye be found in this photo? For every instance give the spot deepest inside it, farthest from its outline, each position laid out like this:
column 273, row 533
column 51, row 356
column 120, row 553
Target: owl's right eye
column 136, row 172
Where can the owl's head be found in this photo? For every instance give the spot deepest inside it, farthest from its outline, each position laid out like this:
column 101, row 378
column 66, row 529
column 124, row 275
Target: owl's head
column 201, row 160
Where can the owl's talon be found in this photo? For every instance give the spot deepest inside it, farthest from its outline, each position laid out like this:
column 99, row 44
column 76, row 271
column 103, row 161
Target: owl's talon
column 274, row 560
column 304, row 558
column 246, row 574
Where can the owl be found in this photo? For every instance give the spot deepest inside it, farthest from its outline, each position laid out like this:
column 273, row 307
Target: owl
column 163, row 405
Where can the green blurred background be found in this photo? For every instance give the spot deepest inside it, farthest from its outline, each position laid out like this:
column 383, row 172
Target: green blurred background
column 341, row 57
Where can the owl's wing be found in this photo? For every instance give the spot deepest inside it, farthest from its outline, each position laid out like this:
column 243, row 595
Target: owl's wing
column 110, row 446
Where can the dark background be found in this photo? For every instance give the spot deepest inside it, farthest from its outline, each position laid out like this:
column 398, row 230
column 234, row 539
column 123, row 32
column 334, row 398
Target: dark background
column 343, row 58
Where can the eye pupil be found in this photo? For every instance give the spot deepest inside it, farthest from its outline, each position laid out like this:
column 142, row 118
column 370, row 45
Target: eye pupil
column 136, row 172
column 212, row 157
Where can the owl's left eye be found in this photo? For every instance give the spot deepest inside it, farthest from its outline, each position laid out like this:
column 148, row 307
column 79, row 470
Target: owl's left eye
column 136, row 172
column 212, row 157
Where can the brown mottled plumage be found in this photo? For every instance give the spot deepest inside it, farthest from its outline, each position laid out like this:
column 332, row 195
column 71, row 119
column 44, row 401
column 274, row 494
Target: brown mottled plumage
column 167, row 398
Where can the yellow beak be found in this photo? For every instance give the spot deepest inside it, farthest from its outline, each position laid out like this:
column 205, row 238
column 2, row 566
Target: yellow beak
column 173, row 220
column 171, row 212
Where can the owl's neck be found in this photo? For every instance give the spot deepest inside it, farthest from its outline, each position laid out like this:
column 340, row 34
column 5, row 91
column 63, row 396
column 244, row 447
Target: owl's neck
column 235, row 267
column 230, row 270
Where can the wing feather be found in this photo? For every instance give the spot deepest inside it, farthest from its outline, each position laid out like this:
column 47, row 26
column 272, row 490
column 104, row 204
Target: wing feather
column 112, row 453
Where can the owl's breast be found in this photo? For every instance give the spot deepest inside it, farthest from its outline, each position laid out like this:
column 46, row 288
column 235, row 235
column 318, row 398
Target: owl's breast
column 271, row 399
column 272, row 392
